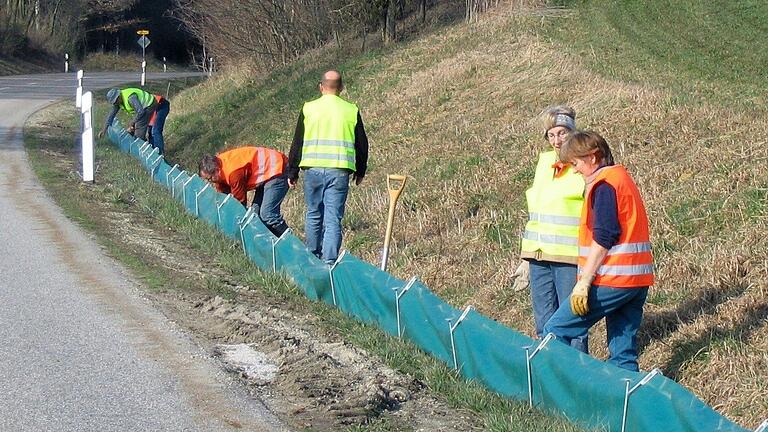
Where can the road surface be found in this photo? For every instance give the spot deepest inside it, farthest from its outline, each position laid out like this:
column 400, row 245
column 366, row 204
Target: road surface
column 80, row 349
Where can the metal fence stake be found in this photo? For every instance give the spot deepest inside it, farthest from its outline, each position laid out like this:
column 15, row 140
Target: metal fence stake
column 168, row 176
column 628, row 392
column 153, row 166
column 197, row 199
column 763, row 427
column 330, row 274
column 219, row 206
column 398, row 295
column 154, row 150
column 249, row 214
column 452, row 329
column 173, row 188
column 275, row 241
column 528, row 357
column 184, row 189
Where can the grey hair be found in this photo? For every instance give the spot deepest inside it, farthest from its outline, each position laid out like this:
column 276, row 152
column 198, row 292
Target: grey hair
column 209, row 164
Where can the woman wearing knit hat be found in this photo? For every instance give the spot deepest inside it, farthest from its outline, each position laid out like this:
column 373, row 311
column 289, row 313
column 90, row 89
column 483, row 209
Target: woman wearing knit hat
column 549, row 248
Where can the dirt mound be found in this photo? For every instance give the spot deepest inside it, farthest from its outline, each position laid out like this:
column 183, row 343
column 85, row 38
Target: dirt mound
column 320, row 382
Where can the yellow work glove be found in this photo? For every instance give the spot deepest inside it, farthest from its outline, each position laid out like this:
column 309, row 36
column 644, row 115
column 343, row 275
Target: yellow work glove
column 580, row 295
column 520, row 277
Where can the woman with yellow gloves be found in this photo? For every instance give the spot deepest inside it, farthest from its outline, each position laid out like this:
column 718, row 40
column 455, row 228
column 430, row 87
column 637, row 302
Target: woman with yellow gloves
column 615, row 261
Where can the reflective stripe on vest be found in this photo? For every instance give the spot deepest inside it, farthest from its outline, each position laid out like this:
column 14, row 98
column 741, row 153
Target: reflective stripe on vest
column 329, row 133
column 554, row 209
column 145, row 98
column 621, row 249
column 551, row 239
column 629, row 263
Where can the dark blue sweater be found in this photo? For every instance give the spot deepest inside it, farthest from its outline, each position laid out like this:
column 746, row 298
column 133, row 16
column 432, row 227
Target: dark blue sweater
column 605, row 215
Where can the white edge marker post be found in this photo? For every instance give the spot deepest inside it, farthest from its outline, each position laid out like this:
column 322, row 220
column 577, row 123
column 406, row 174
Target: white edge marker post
column 79, row 92
column 210, row 66
column 87, row 137
column 528, row 358
column 628, row 392
column 398, row 295
column 143, row 72
column 452, row 329
column 66, row 63
column 165, row 67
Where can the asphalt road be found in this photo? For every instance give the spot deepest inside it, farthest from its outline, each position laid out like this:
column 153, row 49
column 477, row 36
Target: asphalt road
column 80, row 349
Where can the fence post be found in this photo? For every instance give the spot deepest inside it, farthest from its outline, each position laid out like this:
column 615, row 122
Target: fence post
column 398, row 295
column 330, row 274
column 219, row 206
column 452, row 329
column 628, row 392
column 197, row 199
column 763, row 427
column 243, row 223
column 274, row 253
column 528, row 358
column 173, row 187
column 154, row 165
column 184, row 190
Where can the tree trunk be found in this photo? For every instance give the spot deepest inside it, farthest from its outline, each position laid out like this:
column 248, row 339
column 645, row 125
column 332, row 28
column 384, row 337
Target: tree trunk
column 423, row 10
column 390, row 23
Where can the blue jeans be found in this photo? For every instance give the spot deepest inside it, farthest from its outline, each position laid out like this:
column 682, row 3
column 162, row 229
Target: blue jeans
column 266, row 203
column 156, row 130
column 325, row 194
column 622, row 309
column 551, row 284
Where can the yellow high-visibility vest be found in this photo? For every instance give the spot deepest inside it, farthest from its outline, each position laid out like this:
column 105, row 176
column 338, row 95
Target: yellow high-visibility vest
column 145, row 98
column 554, row 210
column 329, row 133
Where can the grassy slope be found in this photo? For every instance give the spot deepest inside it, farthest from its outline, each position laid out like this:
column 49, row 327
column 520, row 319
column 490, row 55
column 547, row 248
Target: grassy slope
column 677, row 92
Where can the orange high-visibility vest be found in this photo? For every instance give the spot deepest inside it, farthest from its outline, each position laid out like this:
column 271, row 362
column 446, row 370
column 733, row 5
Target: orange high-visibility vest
column 629, row 263
column 261, row 164
column 152, row 119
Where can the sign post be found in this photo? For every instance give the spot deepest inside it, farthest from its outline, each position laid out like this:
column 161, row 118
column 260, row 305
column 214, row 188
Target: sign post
column 144, row 43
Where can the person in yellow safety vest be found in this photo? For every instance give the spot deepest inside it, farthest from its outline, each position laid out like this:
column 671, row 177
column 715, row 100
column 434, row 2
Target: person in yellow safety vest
column 134, row 101
column 549, row 247
column 615, row 259
column 330, row 146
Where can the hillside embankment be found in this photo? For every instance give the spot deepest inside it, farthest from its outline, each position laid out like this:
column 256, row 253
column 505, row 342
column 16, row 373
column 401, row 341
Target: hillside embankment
column 457, row 112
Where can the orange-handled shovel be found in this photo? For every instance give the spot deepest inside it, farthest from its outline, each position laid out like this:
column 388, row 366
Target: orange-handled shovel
column 394, row 193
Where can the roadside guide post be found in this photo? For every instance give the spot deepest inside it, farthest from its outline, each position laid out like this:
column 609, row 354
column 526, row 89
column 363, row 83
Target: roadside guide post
column 79, row 92
column 143, row 43
column 66, row 62
column 86, row 138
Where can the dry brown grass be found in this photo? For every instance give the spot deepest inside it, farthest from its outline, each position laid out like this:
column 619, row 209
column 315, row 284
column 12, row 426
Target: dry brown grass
column 456, row 111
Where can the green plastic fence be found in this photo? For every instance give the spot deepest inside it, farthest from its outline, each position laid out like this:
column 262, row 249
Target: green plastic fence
column 588, row 392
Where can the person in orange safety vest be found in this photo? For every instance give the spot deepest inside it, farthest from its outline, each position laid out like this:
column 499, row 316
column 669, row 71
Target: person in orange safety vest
column 243, row 169
column 615, row 262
